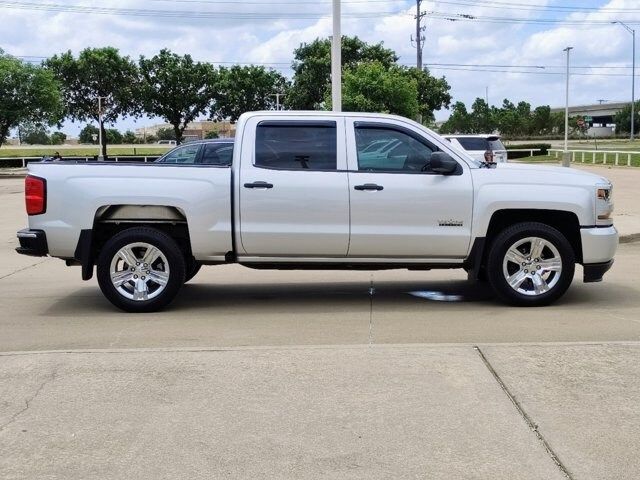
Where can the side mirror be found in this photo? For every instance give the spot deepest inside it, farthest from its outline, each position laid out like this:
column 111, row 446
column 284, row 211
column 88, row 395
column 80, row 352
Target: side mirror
column 442, row 163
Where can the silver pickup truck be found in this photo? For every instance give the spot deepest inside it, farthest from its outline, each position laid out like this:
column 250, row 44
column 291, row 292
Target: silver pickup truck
column 321, row 190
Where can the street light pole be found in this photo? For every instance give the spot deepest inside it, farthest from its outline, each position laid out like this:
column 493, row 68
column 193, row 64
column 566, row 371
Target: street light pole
column 336, row 59
column 566, row 160
column 633, row 77
column 100, row 156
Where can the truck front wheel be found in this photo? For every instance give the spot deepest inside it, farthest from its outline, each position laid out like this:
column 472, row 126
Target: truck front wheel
column 140, row 269
column 530, row 264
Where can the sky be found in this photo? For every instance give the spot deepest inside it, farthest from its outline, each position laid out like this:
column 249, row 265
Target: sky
column 512, row 48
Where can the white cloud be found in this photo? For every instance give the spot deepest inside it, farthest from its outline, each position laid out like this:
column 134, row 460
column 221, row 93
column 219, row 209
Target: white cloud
column 273, row 40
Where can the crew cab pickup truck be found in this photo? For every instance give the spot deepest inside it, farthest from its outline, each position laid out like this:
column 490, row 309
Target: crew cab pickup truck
column 322, row 190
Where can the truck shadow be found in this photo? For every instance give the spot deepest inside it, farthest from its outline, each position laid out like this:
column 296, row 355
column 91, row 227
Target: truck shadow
column 252, row 298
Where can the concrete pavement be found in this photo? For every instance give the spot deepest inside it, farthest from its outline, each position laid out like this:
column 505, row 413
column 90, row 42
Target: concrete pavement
column 259, row 374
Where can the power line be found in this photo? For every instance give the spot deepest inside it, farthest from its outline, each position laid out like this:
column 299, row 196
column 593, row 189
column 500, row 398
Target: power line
column 526, row 6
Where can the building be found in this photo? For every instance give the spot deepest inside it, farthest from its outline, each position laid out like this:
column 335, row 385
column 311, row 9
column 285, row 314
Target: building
column 600, row 116
column 194, row 131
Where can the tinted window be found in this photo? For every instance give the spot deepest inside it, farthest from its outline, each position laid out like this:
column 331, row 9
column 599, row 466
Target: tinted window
column 217, row 154
column 387, row 149
column 290, row 146
column 475, row 143
column 184, row 155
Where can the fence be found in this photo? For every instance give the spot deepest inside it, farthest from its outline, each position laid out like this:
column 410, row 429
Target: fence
column 590, row 156
column 530, row 150
column 22, row 161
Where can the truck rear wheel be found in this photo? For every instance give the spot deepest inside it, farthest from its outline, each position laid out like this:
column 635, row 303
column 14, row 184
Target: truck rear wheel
column 140, row 269
column 530, row 264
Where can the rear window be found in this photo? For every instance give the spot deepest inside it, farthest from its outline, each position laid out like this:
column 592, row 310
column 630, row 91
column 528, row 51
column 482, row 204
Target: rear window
column 477, row 143
column 296, row 146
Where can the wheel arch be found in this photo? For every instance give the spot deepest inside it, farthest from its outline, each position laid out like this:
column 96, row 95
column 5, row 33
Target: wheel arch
column 565, row 222
column 112, row 219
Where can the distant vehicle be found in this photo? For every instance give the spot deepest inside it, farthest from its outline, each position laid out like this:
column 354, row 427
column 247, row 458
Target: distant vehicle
column 218, row 151
column 167, row 142
column 486, row 148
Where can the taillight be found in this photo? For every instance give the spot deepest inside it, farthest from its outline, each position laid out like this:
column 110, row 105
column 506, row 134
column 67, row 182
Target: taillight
column 35, row 195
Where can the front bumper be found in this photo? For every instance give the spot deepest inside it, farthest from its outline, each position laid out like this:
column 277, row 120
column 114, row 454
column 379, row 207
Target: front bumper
column 599, row 245
column 32, row 243
column 595, row 271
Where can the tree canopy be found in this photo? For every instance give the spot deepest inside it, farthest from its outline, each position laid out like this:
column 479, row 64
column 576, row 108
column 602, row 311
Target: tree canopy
column 28, row 93
column 370, row 87
column 312, row 68
column 246, row 88
column 97, row 72
column 177, row 88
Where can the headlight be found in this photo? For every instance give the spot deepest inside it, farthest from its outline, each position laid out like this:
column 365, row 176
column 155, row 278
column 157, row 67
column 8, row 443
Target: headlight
column 604, row 204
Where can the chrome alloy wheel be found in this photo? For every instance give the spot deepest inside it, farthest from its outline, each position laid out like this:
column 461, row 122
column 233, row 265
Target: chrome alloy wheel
column 139, row 271
column 532, row 266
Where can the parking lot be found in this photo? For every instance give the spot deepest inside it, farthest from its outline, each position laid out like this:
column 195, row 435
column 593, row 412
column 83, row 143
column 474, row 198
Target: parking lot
column 260, row 374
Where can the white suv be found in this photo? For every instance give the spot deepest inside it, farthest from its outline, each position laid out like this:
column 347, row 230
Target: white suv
column 486, row 148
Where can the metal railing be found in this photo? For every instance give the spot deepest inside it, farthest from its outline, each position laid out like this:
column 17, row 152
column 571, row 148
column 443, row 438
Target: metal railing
column 615, row 157
column 131, row 159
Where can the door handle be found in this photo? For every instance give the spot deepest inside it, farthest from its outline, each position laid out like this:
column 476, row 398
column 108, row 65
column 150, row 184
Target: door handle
column 369, row 186
column 258, row 185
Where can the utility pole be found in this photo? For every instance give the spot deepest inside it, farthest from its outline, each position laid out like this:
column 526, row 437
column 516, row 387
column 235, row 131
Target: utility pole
column 633, row 78
column 419, row 38
column 100, row 155
column 487, row 95
column 566, row 160
column 278, row 95
column 336, row 59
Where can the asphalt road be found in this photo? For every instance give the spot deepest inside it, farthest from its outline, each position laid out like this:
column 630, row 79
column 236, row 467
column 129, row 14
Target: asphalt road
column 346, row 375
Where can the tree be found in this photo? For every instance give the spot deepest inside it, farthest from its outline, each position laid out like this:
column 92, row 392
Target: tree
column 433, row 93
column 211, row 134
column 129, row 137
column 86, row 134
column 312, row 68
column 34, row 135
column 114, row 136
column 97, row 72
column 28, row 93
column 482, row 118
column 459, row 121
column 58, row 138
column 247, row 88
column 176, row 88
column 370, row 87
column 166, row 134
column 623, row 119
column 541, row 121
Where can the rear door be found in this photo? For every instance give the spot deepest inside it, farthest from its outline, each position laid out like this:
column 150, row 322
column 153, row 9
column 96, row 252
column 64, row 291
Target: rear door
column 399, row 207
column 294, row 193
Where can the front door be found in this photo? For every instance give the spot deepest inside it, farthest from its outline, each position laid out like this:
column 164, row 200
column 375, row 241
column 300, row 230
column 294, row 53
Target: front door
column 294, row 193
column 399, row 207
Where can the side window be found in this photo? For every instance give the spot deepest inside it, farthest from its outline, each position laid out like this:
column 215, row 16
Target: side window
column 217, row 154
column 291, row 146
column 182, row 155
column 388, row 149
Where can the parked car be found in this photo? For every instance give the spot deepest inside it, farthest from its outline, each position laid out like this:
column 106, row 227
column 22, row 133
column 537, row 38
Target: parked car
column 315, row 190
column 217, row 151
column 166, row 142
column 486, row 148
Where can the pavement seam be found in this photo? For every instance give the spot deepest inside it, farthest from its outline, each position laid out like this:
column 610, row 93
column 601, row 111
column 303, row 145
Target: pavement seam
column 532, row 425
column 28, row 401
column 372, row 292
column 23, row 269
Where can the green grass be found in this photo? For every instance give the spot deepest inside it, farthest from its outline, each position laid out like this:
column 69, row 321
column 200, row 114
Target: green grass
column 82, row 151
column 589, row 158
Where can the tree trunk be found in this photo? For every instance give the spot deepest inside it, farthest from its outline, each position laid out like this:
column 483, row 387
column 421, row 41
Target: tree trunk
column 178, row 133
column 4, row 131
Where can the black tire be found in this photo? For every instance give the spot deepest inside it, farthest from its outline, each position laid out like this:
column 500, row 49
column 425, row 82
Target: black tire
column 193, row 268
column 534, row 283
column 163, row 295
